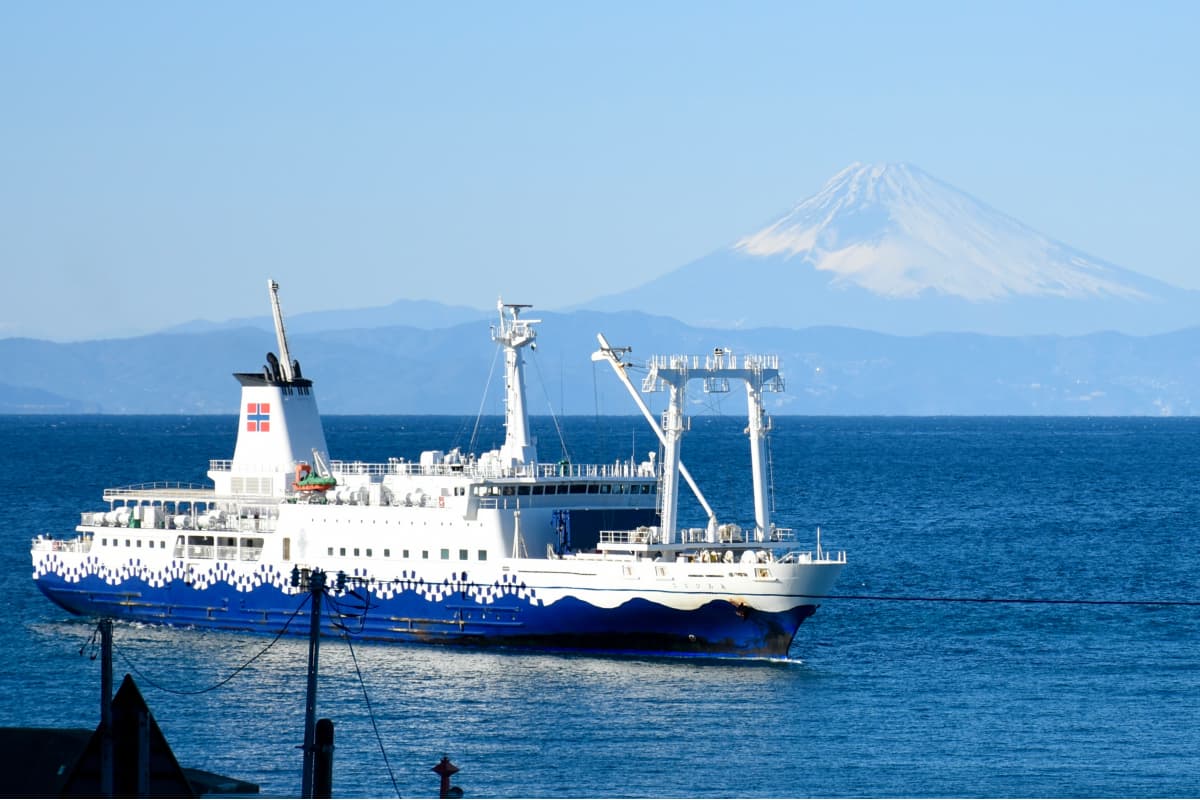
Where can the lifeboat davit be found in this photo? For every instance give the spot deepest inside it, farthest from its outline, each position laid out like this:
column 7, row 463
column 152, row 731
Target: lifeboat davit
column 308, row 481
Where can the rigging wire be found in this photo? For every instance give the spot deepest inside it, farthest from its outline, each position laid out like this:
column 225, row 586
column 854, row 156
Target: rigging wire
column 599, row 429
column 220, row 683
column 770, row 470
column 366, row 699
column 483, row 399
column 562, row 442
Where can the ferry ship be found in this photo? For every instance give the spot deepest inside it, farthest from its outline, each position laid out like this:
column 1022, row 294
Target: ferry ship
column 494, row 549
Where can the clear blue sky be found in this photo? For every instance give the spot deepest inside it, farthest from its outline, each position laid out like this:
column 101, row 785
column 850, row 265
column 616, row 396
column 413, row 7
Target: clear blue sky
column 160, row 160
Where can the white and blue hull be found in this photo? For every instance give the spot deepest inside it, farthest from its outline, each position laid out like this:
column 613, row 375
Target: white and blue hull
column 564, row 604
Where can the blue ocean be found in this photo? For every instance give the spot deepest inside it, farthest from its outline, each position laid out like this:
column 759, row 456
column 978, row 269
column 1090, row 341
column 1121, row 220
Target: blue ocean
column 939, row 669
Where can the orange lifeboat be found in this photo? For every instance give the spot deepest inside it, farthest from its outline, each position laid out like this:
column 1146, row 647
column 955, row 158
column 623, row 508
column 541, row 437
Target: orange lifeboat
column 308, row 481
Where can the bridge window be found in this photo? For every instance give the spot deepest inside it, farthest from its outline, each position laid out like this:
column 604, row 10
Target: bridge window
column 522, row 490
column 445, row 554
column 463, row 555
column 538, row 489
column 483, row 555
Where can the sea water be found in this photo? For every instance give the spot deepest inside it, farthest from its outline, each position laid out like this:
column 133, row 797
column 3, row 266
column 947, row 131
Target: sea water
column 880, row 697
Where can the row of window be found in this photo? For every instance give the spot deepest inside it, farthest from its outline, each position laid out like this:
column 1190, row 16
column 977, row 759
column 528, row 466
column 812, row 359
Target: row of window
column 202, row 544
column 134, row 543
column 463, row 555
column 569, row 488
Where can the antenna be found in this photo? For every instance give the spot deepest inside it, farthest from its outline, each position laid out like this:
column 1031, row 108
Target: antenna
column 285, row 358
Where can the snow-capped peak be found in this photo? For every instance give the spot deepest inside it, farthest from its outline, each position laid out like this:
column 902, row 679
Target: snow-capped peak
column 897, row 231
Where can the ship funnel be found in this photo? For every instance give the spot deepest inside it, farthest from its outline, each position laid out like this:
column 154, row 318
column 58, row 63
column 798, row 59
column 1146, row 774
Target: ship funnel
column 278, row 423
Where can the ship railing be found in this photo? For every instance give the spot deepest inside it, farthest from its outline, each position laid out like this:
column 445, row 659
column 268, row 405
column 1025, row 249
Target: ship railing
column 721, row 360
column 619, row 469
column 78, row 544
column 470, row 469
column 734, row 534
column 809, row 557
column 783, row 535
column 262, row 523
column 475, row 469
column 226, row 465
column 155, row 486
column 636, row 536
column 251, row 524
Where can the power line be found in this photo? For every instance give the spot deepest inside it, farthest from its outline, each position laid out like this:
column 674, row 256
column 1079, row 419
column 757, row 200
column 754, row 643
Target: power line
column 370, row 711
column 220, row 683
column 1009, row 600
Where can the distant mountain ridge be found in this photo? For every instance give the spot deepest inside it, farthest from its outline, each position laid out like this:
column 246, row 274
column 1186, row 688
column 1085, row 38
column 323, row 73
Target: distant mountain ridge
column 406, row 370
column 427, row 314
column 888, row 247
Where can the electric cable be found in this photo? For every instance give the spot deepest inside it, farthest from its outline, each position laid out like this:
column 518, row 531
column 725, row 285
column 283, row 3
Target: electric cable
column 370, row 710
column 220, row 683
column 1008, row 600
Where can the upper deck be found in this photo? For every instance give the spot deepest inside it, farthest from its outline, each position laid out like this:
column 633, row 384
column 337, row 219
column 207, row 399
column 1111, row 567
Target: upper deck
column 483, row 470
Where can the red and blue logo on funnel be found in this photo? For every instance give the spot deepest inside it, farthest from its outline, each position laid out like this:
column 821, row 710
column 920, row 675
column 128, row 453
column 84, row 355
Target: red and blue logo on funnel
column 258, row 417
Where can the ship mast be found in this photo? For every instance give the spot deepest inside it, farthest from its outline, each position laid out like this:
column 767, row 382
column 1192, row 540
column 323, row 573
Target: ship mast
column 760, row 373
column 613, row 356
column 514, row 333
column 285, row 357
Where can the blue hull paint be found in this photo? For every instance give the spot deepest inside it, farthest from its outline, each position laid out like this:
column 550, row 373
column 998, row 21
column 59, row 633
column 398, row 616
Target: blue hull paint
column 637, row 626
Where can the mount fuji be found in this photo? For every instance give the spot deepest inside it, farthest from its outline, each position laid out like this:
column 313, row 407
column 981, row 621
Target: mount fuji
column 889, row 248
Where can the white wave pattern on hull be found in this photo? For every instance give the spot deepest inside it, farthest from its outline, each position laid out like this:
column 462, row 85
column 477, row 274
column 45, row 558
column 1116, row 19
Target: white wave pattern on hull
column 767, row 586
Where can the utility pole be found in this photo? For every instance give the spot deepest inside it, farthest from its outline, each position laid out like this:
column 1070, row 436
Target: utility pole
column 106, row 721
column 316, row 586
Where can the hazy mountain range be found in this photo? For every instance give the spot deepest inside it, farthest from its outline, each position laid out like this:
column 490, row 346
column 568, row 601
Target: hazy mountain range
column 883, row 294
column 398, row 370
